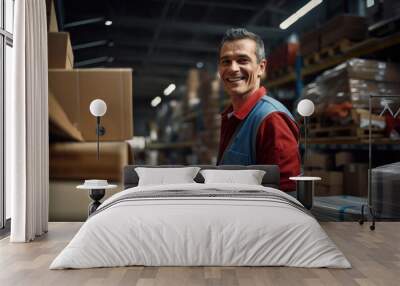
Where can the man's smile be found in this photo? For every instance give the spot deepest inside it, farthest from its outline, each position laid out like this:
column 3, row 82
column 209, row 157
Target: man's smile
column 233, row 79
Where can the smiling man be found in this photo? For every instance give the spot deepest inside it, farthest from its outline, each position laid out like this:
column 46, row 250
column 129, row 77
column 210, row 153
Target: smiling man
column 256, row 129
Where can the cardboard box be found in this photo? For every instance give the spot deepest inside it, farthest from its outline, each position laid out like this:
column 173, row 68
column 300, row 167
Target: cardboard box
column 75, row 89
column 60, row 127
column 351, row 27
column 75, row 160
column 52, row 25
column 192, row 84
column 60, row 50
column 331, row 183
column 343, row 158
column 66, row 203
column 371, row 70
column 350, row 84
column 355, row 179
column 335, row 183
column 319, row 161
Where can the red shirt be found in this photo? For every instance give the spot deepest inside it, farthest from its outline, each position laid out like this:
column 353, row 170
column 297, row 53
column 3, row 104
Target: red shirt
column 277, row 139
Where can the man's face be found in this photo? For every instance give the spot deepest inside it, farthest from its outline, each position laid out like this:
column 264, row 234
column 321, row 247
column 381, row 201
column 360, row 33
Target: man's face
column 238, row 67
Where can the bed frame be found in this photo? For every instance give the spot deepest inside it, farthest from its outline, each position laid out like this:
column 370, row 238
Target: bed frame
column 270, row 179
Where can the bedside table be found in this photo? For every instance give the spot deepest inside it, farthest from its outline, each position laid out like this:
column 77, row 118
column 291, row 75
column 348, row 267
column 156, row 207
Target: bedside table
column 305, row 189
column 97, row 190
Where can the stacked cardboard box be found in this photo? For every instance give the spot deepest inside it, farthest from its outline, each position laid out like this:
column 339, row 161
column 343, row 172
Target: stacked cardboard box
column 73, row 160
column 356, row 79
column 349, row 27
column 355, row 178
column 192, row 85
column 318, row 161
column 188, row 125
column 60, row 53
column 66, row 203
column 322, row 165
column 75, row 89
column 187, row 131
column 343, row 158
column 208, row 123
column 342, row 176
column 52, row 25
column 211, row 93
column 70, row 93
column 355, row 174
column 199, row 123
column 349, row 85
column 331, row 183
column 61, row 128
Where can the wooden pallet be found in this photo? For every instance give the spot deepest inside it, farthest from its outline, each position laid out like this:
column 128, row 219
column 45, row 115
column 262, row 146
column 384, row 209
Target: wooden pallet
column 355, row 119
column 343, row 132
column 335, row 49
column 339, row 47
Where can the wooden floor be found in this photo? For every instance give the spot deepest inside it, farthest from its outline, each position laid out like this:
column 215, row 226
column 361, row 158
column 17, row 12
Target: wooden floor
column 375, row 257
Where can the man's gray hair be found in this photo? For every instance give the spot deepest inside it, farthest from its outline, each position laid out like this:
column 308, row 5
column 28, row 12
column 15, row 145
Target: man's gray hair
column 234, row 34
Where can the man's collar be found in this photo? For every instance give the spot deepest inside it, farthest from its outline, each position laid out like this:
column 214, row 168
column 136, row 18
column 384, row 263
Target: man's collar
column 245, row 109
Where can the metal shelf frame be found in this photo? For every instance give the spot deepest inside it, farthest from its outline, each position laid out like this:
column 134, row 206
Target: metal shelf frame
column 364, row 48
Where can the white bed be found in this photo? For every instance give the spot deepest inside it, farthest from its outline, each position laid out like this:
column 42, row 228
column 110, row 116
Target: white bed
column 245, row 225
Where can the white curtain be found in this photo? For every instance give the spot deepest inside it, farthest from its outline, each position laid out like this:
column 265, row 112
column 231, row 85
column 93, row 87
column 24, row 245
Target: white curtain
column 27, row 146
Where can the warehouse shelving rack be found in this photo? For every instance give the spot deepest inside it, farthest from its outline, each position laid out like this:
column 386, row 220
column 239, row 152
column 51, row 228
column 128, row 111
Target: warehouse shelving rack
column 366, row 48
column 361, row 49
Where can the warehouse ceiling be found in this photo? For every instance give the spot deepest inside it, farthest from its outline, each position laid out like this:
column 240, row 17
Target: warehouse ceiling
column 161, row 40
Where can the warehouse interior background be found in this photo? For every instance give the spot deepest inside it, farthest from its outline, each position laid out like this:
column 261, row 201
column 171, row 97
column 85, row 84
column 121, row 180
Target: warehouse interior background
column 155, row 65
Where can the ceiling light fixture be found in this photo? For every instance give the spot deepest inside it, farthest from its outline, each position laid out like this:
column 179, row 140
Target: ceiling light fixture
column 169, row 89
column 156, row 101
column 300, row 13
column 108, row 23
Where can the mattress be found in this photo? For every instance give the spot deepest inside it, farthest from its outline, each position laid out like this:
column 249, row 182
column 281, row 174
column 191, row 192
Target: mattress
column 201, row 225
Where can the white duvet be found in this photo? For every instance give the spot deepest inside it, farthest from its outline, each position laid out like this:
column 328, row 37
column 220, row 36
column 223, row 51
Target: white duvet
column 185, row 231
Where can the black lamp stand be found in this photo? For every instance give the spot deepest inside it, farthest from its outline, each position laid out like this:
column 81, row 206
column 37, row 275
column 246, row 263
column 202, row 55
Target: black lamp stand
column 100, row 131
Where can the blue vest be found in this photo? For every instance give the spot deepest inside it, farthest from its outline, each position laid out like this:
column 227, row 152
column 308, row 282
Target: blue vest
column 242, row 148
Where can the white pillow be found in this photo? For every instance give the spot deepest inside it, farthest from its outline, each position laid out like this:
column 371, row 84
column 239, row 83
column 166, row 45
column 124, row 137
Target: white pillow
column 163, row 176
column 248, row 177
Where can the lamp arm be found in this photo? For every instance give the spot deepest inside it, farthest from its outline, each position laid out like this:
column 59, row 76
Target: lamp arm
column 98, row 135
column 100, row 131
column 305, row 144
